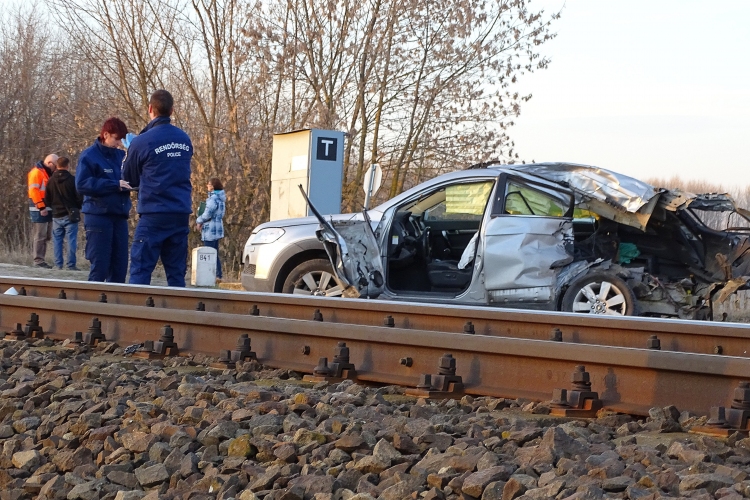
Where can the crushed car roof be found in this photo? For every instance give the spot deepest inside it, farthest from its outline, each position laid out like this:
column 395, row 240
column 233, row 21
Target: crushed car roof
column 625, row 192
column 622, row 198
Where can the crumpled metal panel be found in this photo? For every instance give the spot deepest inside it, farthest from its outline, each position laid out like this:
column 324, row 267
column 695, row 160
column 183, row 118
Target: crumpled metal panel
column 637, row 219
column 337, row 249
column 675, row 199
column 619, row 190
column 360, row 258
column 353, row 250
column 714, row 202
column 575, row 269
column 519, row 252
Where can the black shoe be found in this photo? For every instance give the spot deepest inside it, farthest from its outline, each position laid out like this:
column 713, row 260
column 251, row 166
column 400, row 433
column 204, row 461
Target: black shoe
column 43, row 265
column 74, row 268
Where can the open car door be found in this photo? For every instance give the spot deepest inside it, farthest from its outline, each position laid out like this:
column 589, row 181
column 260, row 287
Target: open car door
column 354, row 254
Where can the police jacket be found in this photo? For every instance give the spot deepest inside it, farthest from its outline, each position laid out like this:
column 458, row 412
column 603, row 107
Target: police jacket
column 158, row 163
column 98, row 179
column 61, row 193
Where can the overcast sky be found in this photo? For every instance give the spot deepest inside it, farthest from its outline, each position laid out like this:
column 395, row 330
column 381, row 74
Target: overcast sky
column 646, row 88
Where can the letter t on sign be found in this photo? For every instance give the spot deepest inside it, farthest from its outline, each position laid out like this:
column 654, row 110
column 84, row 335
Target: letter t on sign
column 326, row 149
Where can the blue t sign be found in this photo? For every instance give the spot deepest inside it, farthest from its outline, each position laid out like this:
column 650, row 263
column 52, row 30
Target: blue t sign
column 326, row 149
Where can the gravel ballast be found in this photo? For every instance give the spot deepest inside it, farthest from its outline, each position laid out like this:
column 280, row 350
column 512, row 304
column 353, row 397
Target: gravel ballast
column 77, row 424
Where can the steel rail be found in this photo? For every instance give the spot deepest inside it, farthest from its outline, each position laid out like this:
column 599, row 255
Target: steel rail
column 627, row 379
column 701, row 337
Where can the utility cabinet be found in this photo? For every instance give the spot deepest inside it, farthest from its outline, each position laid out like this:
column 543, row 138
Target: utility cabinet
column 313, row 158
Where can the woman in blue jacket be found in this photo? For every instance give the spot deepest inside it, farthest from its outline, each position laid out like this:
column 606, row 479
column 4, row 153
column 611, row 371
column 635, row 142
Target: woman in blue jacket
column 106, row 203
column 210, row 221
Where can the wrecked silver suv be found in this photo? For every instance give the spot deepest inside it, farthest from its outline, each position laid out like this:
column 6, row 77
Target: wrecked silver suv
column 544, row 236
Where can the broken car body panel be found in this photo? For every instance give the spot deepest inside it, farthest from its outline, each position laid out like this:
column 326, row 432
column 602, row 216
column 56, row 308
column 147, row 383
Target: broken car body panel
column 526, row 249
column 529, row 236
column 353, row 250
column 717, row 256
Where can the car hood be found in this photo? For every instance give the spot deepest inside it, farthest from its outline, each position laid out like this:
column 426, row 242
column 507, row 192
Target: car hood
column 374, row 216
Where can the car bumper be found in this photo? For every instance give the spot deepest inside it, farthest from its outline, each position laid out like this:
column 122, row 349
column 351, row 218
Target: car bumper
column 253, row 284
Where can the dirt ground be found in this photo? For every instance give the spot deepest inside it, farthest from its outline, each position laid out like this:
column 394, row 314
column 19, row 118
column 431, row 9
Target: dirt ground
column 158, row 278
column 60, row 274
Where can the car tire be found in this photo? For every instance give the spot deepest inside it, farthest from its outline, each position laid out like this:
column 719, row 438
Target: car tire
column 600, row 293
column 312, row 277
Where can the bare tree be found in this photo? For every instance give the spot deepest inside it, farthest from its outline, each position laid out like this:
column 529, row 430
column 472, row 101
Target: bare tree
column 412, row 82
column 119, row 41
column 31, row 102
column 420, row 87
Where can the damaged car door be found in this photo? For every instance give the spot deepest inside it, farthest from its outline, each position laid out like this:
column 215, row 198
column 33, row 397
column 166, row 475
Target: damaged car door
column 527, row 240
column 353, row 250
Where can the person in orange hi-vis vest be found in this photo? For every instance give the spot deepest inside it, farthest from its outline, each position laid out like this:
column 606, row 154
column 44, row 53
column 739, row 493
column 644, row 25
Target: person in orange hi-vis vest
column 41, row 216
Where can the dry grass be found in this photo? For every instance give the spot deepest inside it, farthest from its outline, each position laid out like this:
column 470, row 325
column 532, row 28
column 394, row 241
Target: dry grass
column 22, row 255
column 18, row 260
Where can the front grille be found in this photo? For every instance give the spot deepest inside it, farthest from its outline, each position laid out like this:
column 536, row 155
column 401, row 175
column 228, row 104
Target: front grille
column 249, row 270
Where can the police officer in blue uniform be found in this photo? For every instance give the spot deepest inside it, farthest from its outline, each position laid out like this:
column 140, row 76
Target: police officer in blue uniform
column 158, row 164
column 106, row 203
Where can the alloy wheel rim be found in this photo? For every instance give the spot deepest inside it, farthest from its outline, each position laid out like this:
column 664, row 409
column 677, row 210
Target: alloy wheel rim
column 318, row 283
column 600, row 298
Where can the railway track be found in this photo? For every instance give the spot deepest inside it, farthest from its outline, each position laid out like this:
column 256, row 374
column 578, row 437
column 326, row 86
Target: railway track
column 489, row 362
column 699, row 337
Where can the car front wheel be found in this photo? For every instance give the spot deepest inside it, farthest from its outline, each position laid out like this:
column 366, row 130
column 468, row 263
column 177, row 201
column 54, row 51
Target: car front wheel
column 599, row 293
column 312, row 277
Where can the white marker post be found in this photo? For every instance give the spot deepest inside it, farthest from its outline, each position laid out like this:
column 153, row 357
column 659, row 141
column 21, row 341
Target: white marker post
column 371, row 182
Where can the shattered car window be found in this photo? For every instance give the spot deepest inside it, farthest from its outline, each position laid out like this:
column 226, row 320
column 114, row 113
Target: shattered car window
column 522, row 200
column 720, row 221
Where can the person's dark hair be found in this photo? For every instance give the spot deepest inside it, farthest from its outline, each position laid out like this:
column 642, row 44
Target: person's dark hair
column 161, row 103
column 114, row 126
column 216, row 183
column 63, row 162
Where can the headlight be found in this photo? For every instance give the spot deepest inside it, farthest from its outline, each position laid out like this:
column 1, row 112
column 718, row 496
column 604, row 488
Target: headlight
column 268, row 235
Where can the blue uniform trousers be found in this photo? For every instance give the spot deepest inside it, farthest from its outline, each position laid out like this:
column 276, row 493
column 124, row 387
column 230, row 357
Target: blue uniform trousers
column 158, row 236
column 107, row 247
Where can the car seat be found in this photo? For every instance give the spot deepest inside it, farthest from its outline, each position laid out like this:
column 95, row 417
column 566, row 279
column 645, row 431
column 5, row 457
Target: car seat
column 452, row 273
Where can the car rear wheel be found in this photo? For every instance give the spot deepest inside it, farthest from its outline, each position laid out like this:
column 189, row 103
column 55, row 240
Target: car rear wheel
column 312, row 277
column 599, row 293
